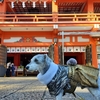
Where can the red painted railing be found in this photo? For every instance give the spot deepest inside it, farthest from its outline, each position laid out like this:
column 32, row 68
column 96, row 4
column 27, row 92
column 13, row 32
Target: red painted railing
column 49, row 18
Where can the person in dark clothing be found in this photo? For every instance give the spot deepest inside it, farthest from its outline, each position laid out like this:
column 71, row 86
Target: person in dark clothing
column 8, row 69
column 13, row 69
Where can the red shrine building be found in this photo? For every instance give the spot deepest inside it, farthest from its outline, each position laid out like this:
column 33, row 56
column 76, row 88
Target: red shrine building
column 29, row 27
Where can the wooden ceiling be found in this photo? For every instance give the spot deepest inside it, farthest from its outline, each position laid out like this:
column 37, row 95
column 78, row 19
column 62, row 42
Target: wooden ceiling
column 39, row 8
column 96, row 7
column 74, row 7
column 65, row 7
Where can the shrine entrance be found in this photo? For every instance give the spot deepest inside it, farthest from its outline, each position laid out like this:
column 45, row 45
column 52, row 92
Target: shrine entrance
column 25, row 58
column 10, row 59
column 80, row 57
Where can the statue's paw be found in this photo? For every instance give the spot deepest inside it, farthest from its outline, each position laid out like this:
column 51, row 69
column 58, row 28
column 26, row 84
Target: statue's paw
column 80, row 98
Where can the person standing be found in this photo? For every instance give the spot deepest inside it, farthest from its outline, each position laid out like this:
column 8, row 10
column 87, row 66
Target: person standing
column 8, row 69
column 12, row 69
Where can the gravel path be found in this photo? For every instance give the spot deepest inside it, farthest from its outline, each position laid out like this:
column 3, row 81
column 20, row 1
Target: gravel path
column 29, row 88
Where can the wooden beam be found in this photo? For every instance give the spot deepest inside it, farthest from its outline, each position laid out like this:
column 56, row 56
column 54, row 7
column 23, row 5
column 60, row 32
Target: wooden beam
column 30, row 44
column 9, row 7
column 83, row 6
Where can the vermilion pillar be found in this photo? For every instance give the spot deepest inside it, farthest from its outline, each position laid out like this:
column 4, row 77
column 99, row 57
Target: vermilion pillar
column 1, row 37
column 90, row 8
column 56, row 56
column 17, row 59
column 83, row 58
column 94, row 55
column 3, row 7
column 54, row 6
column 94, row 52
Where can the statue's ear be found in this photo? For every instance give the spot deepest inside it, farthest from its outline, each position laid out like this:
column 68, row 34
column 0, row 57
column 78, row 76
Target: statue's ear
column 45, row 56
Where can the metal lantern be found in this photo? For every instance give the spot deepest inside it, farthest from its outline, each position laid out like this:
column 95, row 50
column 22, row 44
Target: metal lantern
column 23, row 2
column 34, row 3
column 12, row 3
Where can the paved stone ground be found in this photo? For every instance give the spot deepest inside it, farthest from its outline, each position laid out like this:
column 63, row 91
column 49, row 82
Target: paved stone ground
column 29, row 88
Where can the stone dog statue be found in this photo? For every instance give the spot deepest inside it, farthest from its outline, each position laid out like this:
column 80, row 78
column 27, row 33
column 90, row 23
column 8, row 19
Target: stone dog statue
column 85, row 76
column 65, row 78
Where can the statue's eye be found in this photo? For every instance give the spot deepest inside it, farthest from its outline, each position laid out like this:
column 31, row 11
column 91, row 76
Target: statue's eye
column 36, row 60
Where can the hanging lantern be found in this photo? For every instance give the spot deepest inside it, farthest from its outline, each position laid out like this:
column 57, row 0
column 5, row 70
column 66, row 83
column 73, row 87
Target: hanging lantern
column 12, row 3
column 34, row 3
column 45, row 2
column 23, row 2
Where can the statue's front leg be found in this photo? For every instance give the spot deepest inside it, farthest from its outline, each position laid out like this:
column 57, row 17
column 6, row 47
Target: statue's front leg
column 59, row 96
column 78, row 97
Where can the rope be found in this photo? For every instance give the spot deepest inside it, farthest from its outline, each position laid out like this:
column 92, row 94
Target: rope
column 44, row 93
